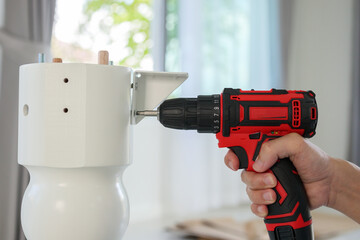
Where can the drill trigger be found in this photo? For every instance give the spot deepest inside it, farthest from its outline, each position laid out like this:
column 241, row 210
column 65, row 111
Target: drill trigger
column 242, row 156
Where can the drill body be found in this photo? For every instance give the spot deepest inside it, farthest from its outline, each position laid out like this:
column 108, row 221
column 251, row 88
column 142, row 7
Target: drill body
column 243, row 121
column 250, row 118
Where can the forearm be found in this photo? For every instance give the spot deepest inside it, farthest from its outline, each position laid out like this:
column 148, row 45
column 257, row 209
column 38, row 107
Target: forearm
column 345, row 188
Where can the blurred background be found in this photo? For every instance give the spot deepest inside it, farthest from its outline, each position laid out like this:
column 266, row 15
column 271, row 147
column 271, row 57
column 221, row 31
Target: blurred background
column 259, row 44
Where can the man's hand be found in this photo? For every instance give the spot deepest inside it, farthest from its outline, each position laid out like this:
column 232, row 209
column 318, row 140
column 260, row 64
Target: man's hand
column 313, row 165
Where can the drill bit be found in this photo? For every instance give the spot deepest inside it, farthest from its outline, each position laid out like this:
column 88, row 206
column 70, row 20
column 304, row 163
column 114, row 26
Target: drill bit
column 148, row 113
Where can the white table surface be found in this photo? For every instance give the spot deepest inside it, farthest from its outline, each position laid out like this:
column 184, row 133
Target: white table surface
column 155, row 229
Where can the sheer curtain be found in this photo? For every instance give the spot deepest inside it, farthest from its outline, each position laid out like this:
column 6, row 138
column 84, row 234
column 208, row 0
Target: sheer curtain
column 221, row 44
column 25, row 30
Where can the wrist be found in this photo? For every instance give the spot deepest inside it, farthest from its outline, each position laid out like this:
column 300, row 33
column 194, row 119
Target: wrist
column 344, row 188
column 334, row 178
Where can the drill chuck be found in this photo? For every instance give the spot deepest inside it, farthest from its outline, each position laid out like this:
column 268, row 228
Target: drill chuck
column 201, row 113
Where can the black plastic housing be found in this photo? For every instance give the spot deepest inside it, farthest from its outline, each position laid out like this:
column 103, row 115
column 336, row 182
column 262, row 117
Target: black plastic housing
column 201, row 113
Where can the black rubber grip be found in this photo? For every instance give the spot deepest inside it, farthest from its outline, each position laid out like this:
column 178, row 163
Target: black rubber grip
column 289, row 217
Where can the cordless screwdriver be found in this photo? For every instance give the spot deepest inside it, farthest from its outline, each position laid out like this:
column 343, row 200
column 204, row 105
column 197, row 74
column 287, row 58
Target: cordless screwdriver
column 243, row 121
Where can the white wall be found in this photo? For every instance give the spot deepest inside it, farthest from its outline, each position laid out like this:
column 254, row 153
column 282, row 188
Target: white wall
column 321, row 60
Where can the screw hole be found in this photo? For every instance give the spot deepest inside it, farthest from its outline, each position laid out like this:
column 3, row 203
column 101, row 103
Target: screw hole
column 66, row 80
column 26, row 110
column 66, row 110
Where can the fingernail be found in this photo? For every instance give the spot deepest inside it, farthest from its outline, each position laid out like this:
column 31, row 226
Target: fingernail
column 261, row 211
column 269, row 181
column 258, row 165
column 231, row 165
column 267, row 196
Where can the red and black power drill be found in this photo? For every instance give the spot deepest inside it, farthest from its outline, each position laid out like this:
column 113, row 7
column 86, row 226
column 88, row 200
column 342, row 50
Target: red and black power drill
column 243, row 121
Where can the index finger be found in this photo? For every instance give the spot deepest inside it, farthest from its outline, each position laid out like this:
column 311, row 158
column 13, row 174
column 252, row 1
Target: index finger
column 231, row 160
column 271, row 151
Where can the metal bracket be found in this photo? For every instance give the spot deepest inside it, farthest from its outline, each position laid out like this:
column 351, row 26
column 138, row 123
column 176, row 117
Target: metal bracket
column 151, row 88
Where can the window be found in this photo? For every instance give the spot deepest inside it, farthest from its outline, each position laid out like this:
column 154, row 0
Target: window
column 122, row 27
column 224, row 44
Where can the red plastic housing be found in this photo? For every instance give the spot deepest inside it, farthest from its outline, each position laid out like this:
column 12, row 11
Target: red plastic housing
column 251, row 117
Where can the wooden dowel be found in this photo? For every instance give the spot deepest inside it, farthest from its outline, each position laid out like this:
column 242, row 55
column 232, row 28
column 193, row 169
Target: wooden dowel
column 57, row 60
column 103, row 57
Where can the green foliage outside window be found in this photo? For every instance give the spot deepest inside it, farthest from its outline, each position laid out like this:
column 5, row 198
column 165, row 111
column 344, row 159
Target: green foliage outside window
column 134, row 16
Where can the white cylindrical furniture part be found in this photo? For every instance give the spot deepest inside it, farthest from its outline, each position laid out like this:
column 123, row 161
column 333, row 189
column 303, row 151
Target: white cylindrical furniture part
column 74, row 140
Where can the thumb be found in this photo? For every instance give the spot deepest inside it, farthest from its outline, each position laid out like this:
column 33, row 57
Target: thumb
column 271, row 151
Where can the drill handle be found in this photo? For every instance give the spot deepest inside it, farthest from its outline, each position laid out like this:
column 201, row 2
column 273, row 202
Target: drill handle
column 289, row 217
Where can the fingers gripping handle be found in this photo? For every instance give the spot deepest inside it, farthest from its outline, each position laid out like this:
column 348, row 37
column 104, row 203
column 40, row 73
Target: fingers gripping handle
column 289, row 217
